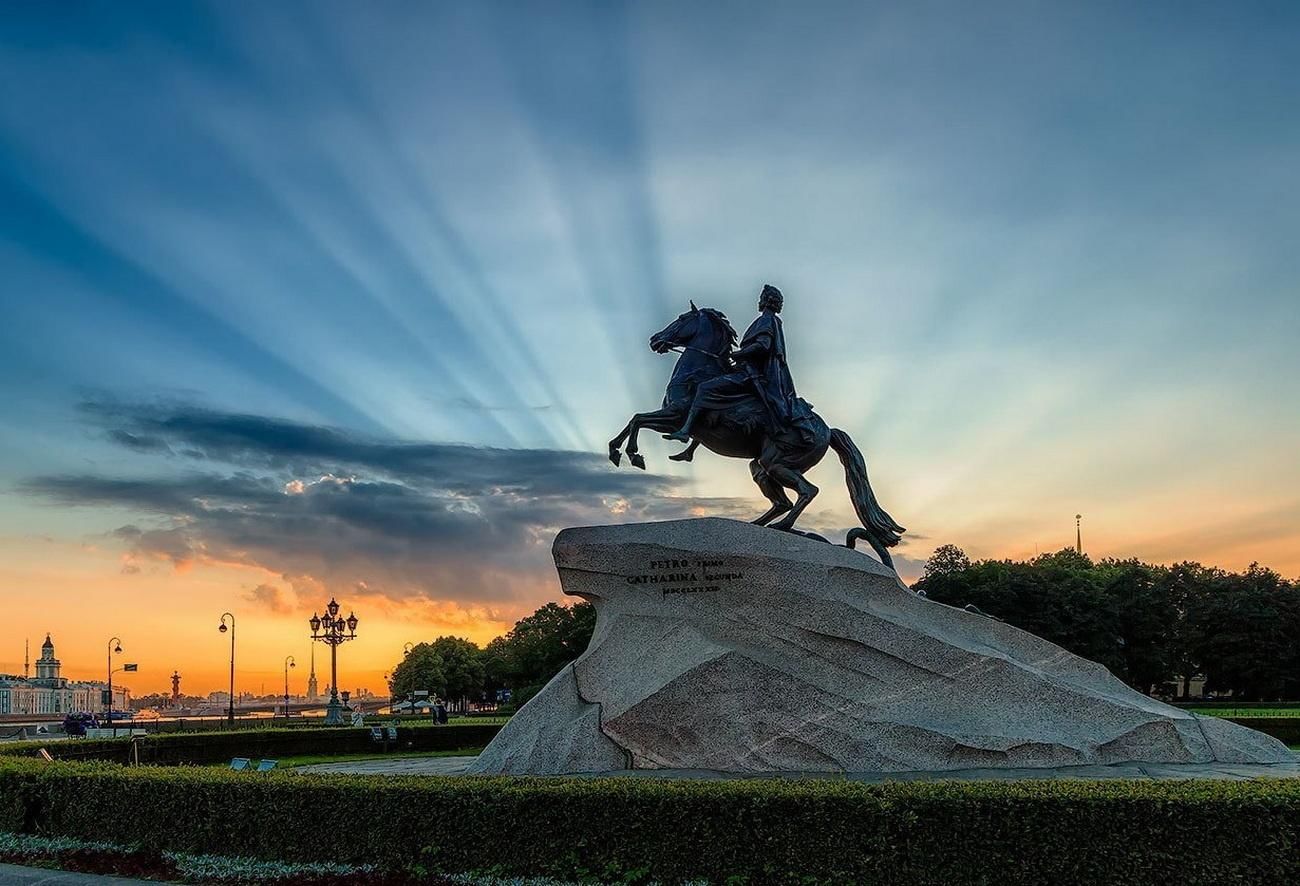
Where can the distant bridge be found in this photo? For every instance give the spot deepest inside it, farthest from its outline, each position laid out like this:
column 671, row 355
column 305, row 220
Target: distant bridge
column 365, row 705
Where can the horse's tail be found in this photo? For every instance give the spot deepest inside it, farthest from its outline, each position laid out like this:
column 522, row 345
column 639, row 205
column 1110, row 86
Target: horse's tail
column 881, row 531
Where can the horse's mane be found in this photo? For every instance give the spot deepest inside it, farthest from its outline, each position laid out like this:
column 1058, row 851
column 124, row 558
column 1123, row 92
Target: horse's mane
column 720, row 319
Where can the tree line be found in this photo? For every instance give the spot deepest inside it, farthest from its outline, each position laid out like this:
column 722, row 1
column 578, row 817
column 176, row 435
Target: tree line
column 521, row 661
column 1155, row 627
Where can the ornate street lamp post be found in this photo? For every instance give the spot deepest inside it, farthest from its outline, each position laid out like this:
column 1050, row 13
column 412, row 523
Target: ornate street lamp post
column 223, row 629
column 288, row 663
column 114, row 645
column 333, row 630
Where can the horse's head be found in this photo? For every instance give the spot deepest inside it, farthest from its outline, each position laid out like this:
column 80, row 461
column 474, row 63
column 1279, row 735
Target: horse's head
column 705, row 329
column 677, row 333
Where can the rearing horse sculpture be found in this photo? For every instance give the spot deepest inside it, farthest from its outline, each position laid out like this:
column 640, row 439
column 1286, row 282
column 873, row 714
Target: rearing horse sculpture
column 777, row 460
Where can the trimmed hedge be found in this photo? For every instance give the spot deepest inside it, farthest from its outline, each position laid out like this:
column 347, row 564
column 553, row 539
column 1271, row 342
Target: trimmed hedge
column 170, row 749
column 742, row 831
column 1284, row 729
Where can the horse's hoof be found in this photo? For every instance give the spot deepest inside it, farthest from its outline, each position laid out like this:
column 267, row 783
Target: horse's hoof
column 615, row 456
column 638, row 460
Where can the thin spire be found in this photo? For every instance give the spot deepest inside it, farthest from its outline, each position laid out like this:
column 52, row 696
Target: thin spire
column 1078, row 534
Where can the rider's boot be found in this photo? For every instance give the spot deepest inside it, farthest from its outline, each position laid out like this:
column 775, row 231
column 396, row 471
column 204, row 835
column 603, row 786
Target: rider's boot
column 686, row 454
column 683, row 434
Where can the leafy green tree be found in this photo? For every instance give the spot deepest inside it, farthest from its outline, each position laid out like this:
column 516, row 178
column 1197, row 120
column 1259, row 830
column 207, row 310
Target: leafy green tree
column 463, row 671
column 1187, row 584
column 947, row 560
column 420, row 669
column 1147, row 616
column 1244, row 633
column 538, row 646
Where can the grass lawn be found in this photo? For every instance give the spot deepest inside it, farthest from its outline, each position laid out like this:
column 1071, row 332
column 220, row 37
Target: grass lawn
column 308, row 759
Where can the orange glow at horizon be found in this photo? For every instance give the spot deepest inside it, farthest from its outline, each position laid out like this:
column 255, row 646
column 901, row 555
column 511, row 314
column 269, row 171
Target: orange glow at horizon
column 168, row 620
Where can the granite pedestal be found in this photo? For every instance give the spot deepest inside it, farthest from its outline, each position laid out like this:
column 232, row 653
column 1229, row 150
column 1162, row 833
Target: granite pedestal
column 733, row 648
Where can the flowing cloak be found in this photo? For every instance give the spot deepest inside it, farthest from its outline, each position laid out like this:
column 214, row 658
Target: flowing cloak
column 769, row 371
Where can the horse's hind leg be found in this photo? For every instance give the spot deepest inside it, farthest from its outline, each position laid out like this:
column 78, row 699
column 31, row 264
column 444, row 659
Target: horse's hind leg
column 804, row 490
column 774, row 491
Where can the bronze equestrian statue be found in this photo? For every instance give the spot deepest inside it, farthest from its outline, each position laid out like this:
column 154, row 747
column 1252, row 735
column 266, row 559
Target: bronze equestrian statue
column 742, row 404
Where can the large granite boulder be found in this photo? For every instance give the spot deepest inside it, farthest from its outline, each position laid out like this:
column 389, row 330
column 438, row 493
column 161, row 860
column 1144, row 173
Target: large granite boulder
column 725, row 646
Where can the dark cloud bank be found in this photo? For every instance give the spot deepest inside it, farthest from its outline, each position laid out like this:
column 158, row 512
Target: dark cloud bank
column 323, row 505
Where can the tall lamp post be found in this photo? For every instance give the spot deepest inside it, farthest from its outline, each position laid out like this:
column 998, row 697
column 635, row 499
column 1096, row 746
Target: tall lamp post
column 333, row 631
column 288, row 663
column 114, row 645
column 223, row 629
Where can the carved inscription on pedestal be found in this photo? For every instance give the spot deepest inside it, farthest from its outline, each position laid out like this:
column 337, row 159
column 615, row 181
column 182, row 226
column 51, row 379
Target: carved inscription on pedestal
column 690, row 576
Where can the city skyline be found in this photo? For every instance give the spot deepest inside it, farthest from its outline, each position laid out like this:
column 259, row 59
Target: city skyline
column 311, row 300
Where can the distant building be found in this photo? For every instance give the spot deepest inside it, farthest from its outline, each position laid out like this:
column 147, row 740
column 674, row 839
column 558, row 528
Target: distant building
column 50, row 693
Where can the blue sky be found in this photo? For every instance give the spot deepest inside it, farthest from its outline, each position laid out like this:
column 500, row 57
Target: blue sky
column 1038, row 258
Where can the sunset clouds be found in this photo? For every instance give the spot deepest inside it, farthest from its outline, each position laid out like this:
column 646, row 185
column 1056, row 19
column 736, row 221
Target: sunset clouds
column 350, row 511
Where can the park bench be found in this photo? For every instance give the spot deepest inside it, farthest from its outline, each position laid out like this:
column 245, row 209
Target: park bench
column 244, row 764
column 384, row 735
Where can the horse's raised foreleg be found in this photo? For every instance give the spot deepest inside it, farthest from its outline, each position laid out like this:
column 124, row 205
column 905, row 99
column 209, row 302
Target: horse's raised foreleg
column 804, row 490
column 773, row 490
column 659, row 420
column 614, row 455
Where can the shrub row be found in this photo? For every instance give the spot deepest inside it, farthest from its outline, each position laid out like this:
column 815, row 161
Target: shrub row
column 171, row 749
column 755, row 831
column 1284, row 729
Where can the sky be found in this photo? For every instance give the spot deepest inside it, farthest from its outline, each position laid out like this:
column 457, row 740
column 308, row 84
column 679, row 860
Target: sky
column 303, row 299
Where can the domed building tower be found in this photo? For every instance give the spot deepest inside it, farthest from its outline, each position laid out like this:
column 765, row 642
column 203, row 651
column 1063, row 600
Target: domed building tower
column 47, row 666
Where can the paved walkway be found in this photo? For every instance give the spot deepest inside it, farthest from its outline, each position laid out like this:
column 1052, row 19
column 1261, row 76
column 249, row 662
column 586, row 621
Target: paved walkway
column 1139, row 771
column 393, row 766
column 16, row 875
